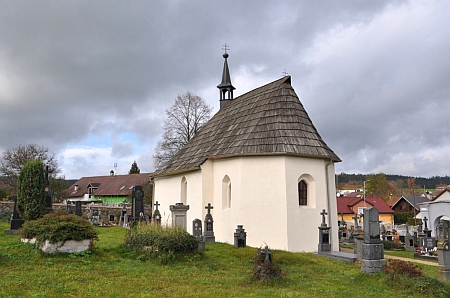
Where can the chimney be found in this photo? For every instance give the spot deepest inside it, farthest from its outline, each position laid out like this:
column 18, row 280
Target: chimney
column 75, row 188
column 111, row 173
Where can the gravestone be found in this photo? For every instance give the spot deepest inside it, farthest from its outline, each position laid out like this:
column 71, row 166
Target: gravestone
column 197, row 229
column 209, row 225
column 265, row 255
column 122, row 213
column 197, row 233
column 16, row 221
column 179, row 215
column 409, row 240
column 137, row 203
column 426, row 230
column 157, row 214
column 442, row 231
column 48, row 192
column 240, row 237
column 358, row 238
column 78, row 210
column 69, row 207
column 372, row 257
column 324, row 235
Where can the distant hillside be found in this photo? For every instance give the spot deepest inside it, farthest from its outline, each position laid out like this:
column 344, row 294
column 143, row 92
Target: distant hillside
column 420, row 181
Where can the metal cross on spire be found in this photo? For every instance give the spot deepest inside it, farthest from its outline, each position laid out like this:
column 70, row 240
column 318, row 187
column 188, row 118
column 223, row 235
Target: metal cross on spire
column 225, row 48
column 285, row 73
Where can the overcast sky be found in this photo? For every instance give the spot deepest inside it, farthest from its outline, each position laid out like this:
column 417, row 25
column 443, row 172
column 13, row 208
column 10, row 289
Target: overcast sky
column 91, row 80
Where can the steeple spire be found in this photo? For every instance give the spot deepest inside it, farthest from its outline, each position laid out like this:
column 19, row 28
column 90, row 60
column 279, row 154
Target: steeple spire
column 225, row 86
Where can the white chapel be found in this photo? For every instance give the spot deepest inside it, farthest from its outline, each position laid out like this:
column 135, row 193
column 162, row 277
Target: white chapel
column 260, row 163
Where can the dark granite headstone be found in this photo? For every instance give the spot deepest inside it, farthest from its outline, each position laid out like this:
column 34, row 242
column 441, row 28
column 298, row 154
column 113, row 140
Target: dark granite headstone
column 428, row 243
column 209, row 225
column 197, row 229
column 78, row 208
column 137, row 205
column 16, row 221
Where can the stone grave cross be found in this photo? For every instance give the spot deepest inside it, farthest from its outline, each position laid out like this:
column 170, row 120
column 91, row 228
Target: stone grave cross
column 156, row 215
column 209, row 227
column 323, row 213
column 425, row 220
column 355, row 219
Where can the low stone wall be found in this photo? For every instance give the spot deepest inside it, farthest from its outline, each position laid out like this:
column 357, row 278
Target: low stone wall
column 104, row 210
column 6, row 205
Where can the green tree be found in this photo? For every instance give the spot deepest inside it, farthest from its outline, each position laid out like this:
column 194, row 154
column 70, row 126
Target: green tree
column 134, row 169
column 30, row 191
column 377, row 185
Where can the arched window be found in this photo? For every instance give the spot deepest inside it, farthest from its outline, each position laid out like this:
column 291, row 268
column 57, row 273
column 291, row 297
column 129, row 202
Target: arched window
column 302, row 193
column 183, row 198
column 226, row 192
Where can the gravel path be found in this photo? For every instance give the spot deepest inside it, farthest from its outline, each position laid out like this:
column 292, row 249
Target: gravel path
column 387, row 256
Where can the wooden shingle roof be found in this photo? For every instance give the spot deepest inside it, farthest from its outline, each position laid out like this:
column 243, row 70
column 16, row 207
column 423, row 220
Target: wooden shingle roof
column 266, row 120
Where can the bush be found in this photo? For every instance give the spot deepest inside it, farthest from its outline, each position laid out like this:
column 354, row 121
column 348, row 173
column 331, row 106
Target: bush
column 5, row 215
column 160, row 242
column 265, row 270
column 396, row 268
column 391, row 245
column 58, row 226
column 402, row 217
column 30, row 191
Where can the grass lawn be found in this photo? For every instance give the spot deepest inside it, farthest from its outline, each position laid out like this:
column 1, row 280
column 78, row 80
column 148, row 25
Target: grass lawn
column 220, row 271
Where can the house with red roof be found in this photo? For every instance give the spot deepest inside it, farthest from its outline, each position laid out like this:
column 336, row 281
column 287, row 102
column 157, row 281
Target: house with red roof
column 112, row 189
column 348, row 206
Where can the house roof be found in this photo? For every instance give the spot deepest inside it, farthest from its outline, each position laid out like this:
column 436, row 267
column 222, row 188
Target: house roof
column 447, row 189
column 392, row 201
column 118, row 185
column 266, row 120
column 344, row 204
column 413, row 201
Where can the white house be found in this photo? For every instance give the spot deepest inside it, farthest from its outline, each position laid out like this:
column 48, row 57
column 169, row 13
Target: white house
column 261, row 163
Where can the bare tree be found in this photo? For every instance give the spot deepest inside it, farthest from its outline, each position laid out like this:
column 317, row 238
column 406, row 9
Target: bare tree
column 187, row 115
column 13, row 159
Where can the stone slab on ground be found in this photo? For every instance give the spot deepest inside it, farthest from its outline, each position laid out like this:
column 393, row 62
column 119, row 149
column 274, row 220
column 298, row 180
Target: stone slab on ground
column 69, row 246
column 338, row 255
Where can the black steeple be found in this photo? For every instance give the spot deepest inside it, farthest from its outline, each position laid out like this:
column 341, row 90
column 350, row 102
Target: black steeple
column 225, row 86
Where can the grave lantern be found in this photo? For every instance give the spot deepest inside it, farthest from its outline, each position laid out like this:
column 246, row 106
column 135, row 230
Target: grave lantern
column 240, row 237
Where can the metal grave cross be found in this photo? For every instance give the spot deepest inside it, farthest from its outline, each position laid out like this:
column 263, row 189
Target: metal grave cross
column 209, row 207
column 157, row 204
